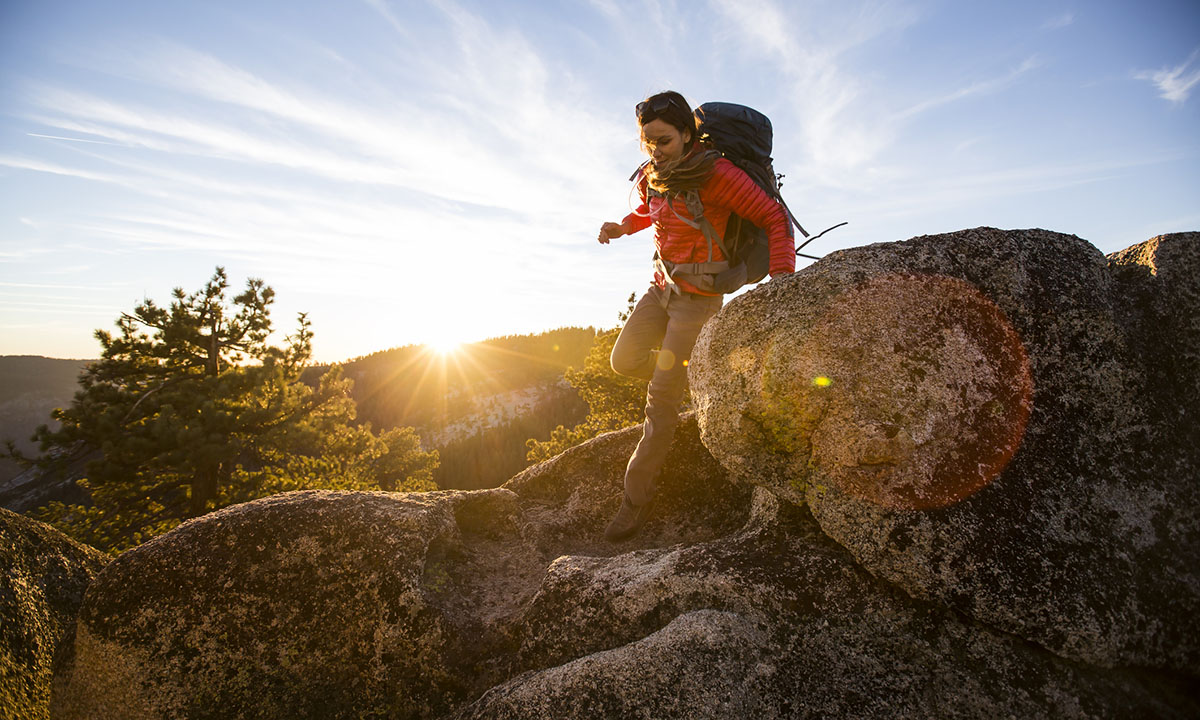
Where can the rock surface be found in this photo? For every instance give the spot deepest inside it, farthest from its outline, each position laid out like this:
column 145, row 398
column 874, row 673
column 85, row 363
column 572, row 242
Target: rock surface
column 45, row 574
column 777, row 621
column 833, row 570
column 981, row 419
column 1160, row 310
column 323, row 604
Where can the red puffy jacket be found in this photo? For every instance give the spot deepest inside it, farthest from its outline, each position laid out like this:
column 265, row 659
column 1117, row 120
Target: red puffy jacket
column 727, row 190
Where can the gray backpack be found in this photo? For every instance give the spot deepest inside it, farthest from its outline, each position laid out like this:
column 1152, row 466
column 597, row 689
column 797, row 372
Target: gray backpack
column 744, row 137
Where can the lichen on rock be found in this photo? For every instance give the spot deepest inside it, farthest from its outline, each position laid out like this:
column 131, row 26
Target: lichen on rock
column 45, row 575
column 989, row 436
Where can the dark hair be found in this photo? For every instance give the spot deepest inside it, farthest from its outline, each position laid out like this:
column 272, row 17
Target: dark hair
column 673, row 109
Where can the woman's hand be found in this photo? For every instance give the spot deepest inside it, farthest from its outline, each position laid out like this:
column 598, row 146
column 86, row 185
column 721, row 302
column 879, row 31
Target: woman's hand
column 610, row 230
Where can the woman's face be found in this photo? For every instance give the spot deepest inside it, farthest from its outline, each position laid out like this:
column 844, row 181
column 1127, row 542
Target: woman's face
column 663, row 142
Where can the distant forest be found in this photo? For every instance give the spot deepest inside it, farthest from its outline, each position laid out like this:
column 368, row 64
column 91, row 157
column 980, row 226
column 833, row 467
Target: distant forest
column 22, row 376
column 413, row 386
column 490, row 457
column 455, row 395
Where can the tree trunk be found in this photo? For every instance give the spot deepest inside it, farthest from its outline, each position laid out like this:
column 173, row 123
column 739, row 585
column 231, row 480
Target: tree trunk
column 214, row 352
column 204, row 490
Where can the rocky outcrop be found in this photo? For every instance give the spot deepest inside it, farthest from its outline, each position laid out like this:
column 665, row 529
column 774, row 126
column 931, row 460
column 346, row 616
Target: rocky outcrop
column 44, row 577
column 1159, row 309
column 777, row 621
column 989, row 420
column 506, row 604
column 924, row 506
column 323, row 604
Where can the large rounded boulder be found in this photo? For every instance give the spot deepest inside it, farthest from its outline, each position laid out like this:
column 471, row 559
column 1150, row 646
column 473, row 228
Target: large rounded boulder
column 42, row 583
column 983, row 419
column 299, row 605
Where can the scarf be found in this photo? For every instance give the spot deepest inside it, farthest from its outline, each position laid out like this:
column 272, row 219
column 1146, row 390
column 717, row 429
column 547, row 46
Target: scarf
column 688, row 173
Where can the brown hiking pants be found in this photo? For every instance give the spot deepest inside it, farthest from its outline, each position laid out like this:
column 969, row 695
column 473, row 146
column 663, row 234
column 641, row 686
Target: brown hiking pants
column 656, row 345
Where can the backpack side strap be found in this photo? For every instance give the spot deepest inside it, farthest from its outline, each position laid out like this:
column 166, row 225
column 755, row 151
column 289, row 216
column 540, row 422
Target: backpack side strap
column 788, row 210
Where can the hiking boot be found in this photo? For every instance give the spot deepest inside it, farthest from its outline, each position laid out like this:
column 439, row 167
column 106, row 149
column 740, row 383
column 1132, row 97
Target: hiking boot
column 628, row 521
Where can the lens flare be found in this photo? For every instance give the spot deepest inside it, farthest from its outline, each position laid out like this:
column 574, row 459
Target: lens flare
column 932, row 396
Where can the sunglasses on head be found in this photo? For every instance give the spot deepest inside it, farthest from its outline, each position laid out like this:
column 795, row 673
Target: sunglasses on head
column 657, row 106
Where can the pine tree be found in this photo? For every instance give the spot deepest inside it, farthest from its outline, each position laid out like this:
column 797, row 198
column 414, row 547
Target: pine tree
column 190, row 408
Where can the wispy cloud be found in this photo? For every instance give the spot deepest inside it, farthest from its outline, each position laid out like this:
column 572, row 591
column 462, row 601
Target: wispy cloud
column 849, row 123
column 381, row 7
column 70, row 139
column 982, row 87
column 173, row 133
column 608, row 8
column 74, row 308
column 51, row 286
column 1174, row 84
column 1059, row 21
column 435, row 147
column 828, row 96
column 20, row 163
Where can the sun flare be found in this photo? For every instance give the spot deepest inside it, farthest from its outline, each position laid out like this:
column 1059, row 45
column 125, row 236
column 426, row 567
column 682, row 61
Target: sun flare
column 443, row 346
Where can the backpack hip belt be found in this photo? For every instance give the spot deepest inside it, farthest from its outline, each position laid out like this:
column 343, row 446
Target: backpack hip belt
column 702, row 276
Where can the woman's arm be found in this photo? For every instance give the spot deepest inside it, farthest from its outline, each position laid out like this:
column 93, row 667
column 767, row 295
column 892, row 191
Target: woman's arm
column 639, row 219
column 633, row 222
column 610, row 230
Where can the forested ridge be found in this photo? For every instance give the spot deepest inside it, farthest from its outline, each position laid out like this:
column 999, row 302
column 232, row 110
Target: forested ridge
column 392, row 388
column 478, row 405
column 417, row 386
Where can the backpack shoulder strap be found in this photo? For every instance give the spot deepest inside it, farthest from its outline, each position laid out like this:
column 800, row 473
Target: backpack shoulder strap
column 692, row 199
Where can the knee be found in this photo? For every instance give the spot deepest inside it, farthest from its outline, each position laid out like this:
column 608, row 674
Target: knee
column 622, row 363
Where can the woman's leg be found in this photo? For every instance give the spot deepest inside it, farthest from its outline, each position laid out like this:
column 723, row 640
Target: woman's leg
column 686, row 315
column 633, row 353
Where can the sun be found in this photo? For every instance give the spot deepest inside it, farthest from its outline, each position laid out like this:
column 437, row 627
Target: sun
column 446, row 336
column 443, row 345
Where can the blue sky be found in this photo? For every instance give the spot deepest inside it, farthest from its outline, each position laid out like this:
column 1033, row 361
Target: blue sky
column 408, row 172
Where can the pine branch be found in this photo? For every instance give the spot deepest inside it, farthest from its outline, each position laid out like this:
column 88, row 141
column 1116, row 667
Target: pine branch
column 151, row 391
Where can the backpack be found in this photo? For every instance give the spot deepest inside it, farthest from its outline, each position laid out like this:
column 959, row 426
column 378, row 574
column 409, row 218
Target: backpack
column 744, row 137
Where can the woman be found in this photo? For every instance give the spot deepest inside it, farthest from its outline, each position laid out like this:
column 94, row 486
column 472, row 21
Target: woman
column 658, row 337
